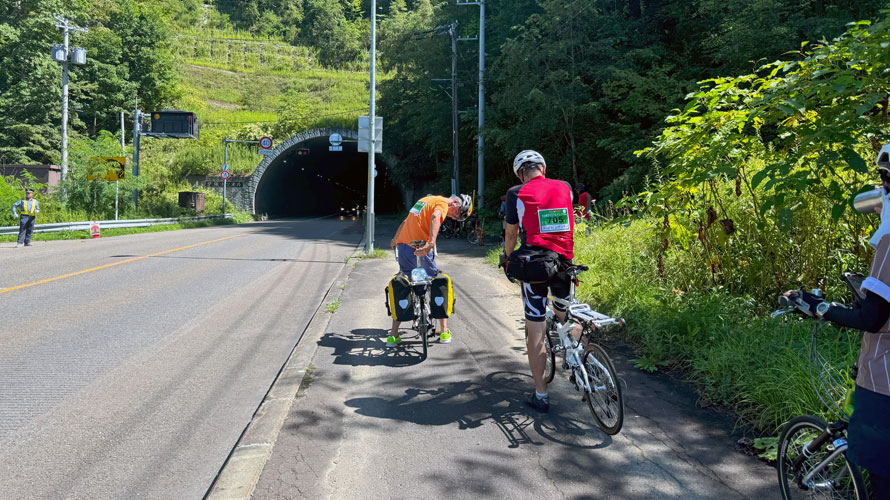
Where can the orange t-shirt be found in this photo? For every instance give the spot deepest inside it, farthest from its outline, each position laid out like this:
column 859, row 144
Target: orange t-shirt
column 417, row 224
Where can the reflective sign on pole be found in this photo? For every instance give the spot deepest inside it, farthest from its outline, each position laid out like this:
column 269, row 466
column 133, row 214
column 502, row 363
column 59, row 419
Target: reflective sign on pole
column 225, row 167
column 364, row 134
column 266, row 143
column 224, row 174
column 336, row 142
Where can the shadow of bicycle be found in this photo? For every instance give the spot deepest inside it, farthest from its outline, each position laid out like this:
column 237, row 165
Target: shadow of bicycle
column 499, row 399
column 367, row 347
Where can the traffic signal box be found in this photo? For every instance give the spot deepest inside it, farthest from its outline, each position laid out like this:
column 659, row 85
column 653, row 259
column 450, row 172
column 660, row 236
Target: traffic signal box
column 174, row 124
column 302, row 152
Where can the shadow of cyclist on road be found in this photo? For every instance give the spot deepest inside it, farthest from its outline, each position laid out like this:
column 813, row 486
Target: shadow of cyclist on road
column 498, row 399
column 367, row 347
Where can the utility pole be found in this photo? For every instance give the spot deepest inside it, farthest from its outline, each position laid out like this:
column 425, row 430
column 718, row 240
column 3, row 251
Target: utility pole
column 64, row 58
column 369, row 242
column 481, row 141
column 124, row 154
column 137, row 132
column 451, row 30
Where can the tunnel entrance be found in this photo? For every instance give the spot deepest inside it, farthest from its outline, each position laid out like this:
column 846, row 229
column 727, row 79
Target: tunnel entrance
column 304, row 178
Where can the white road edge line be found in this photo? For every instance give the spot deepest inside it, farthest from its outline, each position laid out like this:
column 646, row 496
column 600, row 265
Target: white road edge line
column 241, row 471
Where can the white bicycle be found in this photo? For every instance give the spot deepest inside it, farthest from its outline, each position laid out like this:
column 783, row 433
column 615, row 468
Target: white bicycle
column 592, row 372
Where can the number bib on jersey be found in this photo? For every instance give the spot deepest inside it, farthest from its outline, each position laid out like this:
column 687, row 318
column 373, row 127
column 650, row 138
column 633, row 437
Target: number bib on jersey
column 554, row 220
column 418, row 207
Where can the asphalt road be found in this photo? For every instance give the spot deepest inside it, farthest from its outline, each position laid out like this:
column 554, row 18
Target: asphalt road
column 129, row 366
column 372, row 422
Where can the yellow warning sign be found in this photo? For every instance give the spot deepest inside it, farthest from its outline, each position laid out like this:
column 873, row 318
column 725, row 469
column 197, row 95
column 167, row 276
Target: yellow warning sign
column 109, row 168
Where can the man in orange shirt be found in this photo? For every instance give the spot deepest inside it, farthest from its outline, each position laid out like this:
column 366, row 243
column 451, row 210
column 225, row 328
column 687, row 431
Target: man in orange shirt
column 422, row 224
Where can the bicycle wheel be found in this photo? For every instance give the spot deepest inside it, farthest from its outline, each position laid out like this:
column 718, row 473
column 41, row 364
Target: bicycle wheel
column 425, row 330
column 606, row 402
column 837, row 479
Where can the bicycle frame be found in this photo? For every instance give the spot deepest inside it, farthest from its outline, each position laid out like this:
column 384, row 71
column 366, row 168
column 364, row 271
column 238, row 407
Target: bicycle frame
column 572, row 348
column 834, row 433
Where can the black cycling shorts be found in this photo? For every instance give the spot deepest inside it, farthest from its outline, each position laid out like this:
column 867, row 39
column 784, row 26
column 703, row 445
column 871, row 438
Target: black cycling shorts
column 534, row 295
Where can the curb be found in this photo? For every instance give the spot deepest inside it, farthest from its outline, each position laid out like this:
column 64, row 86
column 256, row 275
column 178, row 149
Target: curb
column 241, row 471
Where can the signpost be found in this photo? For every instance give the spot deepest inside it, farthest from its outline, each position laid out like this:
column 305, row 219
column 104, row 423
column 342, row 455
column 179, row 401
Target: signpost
column 336, row 141
column 265, row 144
column 363, row 134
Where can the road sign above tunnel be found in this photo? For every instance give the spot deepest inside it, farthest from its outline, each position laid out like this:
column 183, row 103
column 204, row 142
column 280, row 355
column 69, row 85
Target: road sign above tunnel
column 336, row 142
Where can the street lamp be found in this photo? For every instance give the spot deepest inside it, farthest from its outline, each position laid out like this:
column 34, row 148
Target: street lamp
column 62, row 54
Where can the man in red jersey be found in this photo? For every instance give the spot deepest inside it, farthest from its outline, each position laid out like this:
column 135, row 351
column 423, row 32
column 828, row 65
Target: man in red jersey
column 541, row 210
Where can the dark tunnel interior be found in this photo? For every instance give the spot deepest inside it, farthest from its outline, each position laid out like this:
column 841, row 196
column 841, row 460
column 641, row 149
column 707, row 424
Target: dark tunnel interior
column 322, row 182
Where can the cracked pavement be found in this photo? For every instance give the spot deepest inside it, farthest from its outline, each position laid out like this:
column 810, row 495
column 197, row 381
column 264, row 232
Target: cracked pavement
column 381, row 423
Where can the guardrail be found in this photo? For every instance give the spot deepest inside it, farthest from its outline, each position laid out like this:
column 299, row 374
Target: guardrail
column 109, row 224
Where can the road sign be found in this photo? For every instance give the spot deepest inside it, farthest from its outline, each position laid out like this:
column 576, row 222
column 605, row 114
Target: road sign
column 224, row 174
column 364, row 133
column 266, row 143
column 94, row 229
column 109, row 168
column 266, row 152
column 336, row 141
column 225, row 167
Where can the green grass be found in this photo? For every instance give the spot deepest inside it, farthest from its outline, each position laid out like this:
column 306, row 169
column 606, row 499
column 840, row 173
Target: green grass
column 727, row 345
column 378, row 253
column 333, row 306
column 247, row 104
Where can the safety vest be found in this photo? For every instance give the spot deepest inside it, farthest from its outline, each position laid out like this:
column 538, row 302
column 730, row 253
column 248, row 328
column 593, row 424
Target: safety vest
column 29, row 211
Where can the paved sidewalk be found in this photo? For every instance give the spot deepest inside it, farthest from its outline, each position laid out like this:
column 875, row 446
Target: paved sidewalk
column 374, row 422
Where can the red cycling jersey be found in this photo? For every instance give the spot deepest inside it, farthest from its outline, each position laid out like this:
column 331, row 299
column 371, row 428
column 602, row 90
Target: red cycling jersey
column 543, row 209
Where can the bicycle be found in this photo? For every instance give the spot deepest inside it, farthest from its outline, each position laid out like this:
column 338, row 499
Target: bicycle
column 420, row 283
column 476, row 236
column 812, row 456
column 592, row 371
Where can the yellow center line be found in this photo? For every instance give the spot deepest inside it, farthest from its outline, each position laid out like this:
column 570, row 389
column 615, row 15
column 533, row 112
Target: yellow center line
column 134, row 259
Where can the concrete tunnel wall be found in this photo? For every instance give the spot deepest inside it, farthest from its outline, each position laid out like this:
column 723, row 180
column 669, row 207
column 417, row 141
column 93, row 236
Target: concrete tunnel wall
column 285, row 184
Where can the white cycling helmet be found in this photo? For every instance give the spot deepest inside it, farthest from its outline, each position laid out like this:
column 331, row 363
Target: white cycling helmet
column 527, row 156
column 466, row 206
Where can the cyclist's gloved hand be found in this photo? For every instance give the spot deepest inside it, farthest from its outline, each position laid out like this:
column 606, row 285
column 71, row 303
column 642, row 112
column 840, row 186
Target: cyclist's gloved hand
column 502, row 263
column 805, row 302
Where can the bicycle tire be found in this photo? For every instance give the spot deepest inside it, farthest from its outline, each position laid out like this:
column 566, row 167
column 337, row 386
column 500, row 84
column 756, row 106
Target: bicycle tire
column 607, row 404
column 796, row 434
column 425, row 330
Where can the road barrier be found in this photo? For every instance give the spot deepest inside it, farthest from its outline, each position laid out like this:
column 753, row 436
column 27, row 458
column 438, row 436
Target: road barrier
column 109, row 224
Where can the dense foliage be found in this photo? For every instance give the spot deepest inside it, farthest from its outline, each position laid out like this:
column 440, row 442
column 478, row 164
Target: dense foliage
column 587, row 82
column 127, row 60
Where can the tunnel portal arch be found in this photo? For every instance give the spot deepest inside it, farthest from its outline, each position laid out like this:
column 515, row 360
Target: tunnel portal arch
column 285, row 148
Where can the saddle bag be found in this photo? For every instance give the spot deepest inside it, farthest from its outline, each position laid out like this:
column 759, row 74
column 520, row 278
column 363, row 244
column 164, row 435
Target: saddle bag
column 398, row 299
column 441, row 297
column 532, row 265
